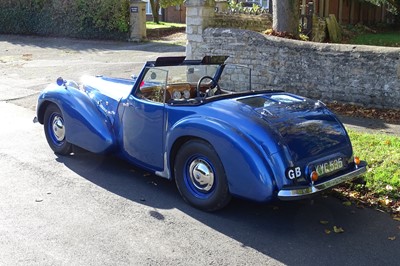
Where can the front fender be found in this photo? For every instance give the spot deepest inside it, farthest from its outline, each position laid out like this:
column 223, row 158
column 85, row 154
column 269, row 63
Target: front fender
column 86, row 126
column 246, row 164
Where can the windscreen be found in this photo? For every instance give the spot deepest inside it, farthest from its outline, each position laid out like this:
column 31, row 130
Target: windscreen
column 181, row 83
column 189, row 74
column 235, row 78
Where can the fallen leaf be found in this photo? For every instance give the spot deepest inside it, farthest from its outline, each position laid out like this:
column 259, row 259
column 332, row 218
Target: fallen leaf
column 354, row 194
column 323, row 222
column 327, row 231
column 146, row 174
column 392, row 238
column 389, row 188
column 337, row 229
column 347, row 203
column 385, row 202
column 38, row 200
column 27, row 57
column 396, row 218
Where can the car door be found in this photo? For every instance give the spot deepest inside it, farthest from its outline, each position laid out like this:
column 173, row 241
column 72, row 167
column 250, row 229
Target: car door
column 143, row 121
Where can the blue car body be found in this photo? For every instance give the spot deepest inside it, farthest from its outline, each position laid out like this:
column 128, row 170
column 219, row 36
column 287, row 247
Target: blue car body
column 268, row 144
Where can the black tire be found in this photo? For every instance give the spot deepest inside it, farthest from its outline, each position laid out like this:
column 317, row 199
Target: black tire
column 54, row 129
column 200, row 176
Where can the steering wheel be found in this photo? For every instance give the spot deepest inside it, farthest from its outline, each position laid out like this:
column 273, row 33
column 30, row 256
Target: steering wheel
column 211, row 91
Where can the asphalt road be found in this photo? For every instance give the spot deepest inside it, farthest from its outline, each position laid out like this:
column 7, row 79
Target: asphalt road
column 93, row 210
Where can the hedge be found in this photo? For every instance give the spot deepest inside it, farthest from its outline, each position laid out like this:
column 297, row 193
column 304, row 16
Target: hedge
column 89, row 19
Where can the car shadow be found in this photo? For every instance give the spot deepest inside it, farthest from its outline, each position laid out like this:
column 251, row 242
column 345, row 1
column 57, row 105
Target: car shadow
column 369, row 125
column 294, row 233
column 89, row 45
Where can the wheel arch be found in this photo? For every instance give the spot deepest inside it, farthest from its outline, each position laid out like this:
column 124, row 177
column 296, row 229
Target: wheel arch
column 86, row 126
column 176, row 146
column 249, row 174
column 41, row 110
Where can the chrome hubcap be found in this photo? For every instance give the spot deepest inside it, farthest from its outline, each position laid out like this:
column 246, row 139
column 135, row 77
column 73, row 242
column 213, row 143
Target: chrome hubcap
column 201, row 175
column 58, row 128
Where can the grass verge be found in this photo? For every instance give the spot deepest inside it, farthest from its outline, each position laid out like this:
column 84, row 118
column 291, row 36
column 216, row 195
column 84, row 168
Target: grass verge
column 166, row 32
column 391, row 39
column 377, row 36
column 163, row 25
column 382, row 188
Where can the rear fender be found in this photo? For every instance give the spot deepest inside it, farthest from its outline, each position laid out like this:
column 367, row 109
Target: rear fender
column 86, row 126
column 246, row 165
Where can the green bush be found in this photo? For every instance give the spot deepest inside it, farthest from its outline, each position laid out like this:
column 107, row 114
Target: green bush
column 101, row 19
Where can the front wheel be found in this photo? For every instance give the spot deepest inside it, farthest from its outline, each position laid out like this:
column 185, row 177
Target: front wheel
column 54, row 129
column 200, row 176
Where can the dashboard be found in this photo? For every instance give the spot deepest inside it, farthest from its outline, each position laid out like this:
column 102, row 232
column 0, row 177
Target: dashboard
column 180, row 91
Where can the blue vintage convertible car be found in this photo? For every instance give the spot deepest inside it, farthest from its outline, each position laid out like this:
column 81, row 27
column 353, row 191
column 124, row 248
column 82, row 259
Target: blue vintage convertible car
column 199, row 122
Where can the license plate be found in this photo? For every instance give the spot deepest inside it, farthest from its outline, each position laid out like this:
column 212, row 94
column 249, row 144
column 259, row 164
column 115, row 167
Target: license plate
column 329, row 166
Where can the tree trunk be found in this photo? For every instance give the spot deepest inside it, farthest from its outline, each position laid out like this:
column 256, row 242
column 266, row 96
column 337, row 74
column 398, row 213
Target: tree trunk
column 155, row 7
column 286, row 15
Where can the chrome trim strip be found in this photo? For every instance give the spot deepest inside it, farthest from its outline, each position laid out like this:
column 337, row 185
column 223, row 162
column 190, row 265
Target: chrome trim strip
column 298, row 193
column 166, row 171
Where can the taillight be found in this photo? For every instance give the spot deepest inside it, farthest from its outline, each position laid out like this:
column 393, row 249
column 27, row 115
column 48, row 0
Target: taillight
column 314, row 176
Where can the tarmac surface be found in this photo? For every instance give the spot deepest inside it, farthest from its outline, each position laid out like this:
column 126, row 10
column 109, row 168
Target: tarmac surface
column 88, row 209
column 370, row 125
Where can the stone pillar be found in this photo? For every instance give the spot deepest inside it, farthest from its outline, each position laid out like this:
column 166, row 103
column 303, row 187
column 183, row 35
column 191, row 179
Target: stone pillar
column 137, row 10
column 199, row 15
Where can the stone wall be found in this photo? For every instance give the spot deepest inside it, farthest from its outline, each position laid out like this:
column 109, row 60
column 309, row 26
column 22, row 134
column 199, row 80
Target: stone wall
column 259, row 23
column 363, row 75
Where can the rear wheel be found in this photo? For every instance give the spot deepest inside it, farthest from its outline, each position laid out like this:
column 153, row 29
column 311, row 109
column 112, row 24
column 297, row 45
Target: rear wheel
column 200, row 176
column 54, row 129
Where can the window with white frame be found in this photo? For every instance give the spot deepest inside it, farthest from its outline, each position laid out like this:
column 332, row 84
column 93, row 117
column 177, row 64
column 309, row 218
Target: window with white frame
column 148, row 9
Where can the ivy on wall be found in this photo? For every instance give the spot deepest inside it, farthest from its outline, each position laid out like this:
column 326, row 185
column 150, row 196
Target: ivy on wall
column 99, row 19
